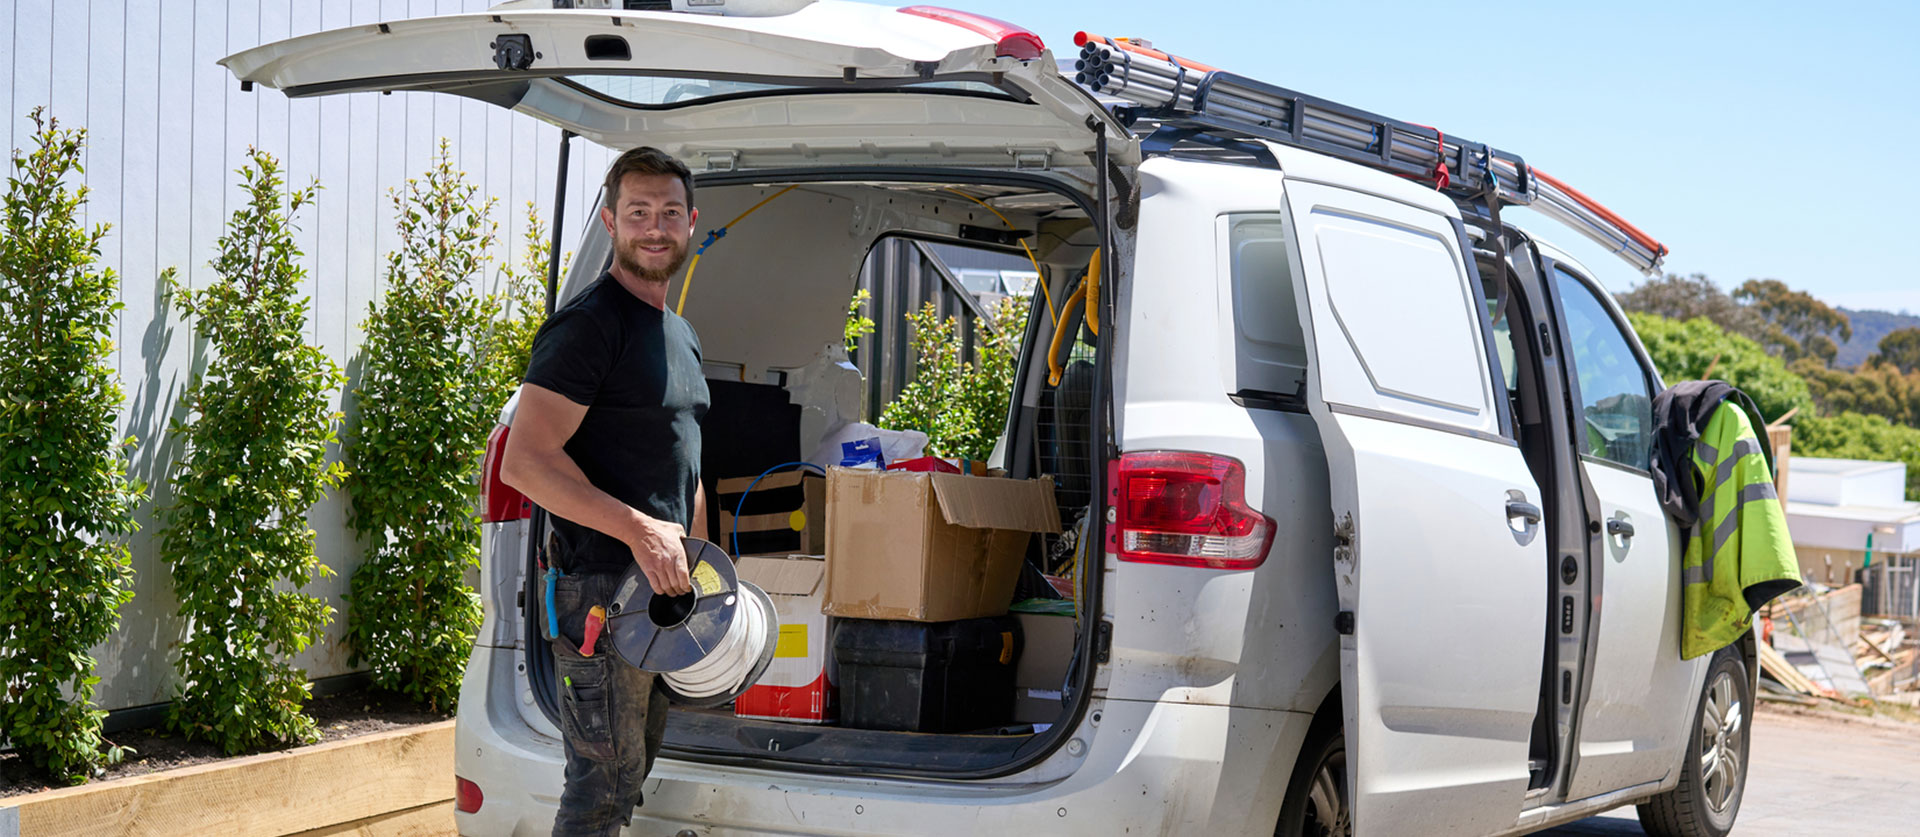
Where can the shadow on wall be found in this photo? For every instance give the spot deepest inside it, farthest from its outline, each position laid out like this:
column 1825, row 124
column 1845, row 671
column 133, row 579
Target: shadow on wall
column 141, row 651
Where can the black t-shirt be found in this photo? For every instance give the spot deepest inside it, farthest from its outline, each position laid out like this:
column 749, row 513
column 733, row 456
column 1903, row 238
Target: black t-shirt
column 636, row 369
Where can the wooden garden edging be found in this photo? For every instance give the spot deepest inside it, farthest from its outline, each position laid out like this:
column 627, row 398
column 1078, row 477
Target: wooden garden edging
column 398, row 782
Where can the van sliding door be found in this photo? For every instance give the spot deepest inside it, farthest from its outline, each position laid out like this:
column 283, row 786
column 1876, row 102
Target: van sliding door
column 1439, row 561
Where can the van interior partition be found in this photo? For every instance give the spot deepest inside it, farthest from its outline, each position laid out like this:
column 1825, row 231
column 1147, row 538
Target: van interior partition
column 770, row 298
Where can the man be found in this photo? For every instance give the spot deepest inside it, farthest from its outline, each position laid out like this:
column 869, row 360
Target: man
column 607, row 440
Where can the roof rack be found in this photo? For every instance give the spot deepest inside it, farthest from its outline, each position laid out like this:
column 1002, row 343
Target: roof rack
column 1187, row 101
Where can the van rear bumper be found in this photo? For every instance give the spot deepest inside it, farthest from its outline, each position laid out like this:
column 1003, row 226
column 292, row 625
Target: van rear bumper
column 1142, row 768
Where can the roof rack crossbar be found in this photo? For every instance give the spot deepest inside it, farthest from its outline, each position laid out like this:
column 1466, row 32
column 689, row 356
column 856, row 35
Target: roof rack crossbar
column 1227, row 110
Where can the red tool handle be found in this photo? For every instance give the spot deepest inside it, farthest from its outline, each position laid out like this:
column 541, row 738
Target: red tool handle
column 596, row 619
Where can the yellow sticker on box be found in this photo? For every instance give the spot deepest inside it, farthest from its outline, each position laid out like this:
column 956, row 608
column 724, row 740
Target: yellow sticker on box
column 793, row 641
column 706, row 579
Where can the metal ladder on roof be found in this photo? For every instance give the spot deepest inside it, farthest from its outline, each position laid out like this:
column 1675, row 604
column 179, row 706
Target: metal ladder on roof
column 1187, row 100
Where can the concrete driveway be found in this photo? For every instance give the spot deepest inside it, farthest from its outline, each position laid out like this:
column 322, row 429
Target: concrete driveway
column 1815, row 774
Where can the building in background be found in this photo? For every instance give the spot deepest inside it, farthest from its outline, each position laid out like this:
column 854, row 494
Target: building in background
column 1849, row 515
column 166, row 128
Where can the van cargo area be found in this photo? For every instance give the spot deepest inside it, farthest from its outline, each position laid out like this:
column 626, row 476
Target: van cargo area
column 947, row 683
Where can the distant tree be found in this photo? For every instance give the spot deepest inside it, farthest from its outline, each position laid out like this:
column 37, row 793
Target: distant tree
column 1874, row 388
column 1683, row 298
column 1796, row 320
column 1901, row 348
column 1698, row 348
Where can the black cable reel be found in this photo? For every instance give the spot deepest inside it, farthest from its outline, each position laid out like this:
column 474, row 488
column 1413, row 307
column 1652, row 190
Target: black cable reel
column 708, row 646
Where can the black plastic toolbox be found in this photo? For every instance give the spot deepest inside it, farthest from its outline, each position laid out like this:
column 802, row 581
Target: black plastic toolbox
column 926, row 676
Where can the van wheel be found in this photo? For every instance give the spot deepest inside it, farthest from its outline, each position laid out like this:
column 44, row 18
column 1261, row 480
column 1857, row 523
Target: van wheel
column 1318, row 803
column 1713, row 775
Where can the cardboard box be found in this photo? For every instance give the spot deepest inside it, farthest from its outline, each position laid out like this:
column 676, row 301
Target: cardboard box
column 926, row 547
column 798, row 685
column 785, row 514
column 1046, row 648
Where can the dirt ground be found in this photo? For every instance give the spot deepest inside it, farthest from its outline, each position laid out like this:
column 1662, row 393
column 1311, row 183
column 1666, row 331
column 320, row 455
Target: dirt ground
column 343, row 715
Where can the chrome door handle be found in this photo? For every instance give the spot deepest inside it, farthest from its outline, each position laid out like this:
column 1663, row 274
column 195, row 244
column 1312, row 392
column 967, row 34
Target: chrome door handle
column 1620, row 526
column 1522, row 509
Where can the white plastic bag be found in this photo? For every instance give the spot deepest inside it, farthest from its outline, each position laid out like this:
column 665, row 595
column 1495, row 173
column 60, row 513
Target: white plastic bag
column 895, row 444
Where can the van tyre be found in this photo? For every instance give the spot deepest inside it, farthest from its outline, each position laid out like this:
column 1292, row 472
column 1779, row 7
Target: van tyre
column 1713, row 775
column 1318, row 801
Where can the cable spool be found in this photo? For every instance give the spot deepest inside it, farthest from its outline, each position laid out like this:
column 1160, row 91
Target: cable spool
column 708, row 646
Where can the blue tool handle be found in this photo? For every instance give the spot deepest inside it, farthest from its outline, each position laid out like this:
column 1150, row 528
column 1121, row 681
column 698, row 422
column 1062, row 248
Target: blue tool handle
column 553, row 616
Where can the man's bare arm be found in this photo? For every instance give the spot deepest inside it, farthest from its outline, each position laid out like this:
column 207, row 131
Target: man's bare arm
column 700, row 513
column 537, row 465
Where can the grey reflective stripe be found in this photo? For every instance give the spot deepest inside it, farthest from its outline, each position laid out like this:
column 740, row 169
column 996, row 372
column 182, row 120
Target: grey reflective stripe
column 1705, row 452
column 1721, row 532
column 1757, row 491
column 1741, row 449
column 1700, row 574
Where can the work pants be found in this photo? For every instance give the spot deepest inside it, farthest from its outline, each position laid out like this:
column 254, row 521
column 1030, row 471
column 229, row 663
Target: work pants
column 612, row 717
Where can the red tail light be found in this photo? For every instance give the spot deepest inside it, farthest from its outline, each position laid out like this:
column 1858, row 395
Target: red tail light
column 1010, row 41
column 466, row 796
column 1185, row 509
column 499, row 502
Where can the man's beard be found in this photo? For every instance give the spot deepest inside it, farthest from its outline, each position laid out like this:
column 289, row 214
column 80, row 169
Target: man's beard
column 628, row 257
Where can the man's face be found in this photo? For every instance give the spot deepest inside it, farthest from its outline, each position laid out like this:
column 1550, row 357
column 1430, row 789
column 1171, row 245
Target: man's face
column 650, row 226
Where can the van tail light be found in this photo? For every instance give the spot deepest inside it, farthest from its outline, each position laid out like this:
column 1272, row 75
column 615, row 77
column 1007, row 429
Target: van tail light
column 1010, row 41
column 499, row 502
column 1187, row 510
column 467, row 796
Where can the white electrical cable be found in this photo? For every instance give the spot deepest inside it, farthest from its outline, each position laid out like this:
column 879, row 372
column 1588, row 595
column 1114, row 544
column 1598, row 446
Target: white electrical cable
column 733, row 659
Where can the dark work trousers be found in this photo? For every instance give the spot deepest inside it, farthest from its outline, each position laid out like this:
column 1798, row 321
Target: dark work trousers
column 612, row 716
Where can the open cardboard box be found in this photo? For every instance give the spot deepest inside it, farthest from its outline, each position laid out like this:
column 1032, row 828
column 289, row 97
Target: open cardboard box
column 798, row 685
column 927, row 547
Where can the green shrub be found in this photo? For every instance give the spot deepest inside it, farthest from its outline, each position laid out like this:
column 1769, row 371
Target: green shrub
column 1685, row 351
column 253, row 463
column 437, row 371
column 64, row 494
column 1856, row 436
column 961, row 405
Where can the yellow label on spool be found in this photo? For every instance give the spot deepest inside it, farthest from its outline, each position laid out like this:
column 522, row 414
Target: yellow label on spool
column 1006, row 648
column 706, row 579
column 793, row 641
column 797, row 521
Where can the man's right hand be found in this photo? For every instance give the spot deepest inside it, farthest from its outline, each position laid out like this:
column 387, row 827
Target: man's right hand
column 662, row 555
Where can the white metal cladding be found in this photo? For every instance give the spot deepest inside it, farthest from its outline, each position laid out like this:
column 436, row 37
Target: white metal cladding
column 166, row 128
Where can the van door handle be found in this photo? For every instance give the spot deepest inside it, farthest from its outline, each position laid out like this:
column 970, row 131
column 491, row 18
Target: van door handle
column 1521, row 509
column 1620, row 526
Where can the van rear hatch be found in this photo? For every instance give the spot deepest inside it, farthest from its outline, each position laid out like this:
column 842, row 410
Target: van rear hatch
column 833, row 83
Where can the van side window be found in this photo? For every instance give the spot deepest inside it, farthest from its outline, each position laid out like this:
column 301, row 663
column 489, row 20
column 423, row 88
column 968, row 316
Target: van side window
column 1616, row 400
column 1271, row 355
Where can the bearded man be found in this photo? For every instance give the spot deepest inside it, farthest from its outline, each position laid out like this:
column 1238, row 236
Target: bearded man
column 607, row 439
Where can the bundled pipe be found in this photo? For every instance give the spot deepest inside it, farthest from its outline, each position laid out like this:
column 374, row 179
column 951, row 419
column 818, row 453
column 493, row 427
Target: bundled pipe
column 1137, row 77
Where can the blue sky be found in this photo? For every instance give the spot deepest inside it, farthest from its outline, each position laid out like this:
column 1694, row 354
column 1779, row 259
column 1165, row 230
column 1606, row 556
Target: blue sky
column 1757, row 139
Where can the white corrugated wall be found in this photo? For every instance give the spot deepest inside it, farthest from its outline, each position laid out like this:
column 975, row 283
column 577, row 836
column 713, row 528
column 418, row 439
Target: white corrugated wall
column 166, row 127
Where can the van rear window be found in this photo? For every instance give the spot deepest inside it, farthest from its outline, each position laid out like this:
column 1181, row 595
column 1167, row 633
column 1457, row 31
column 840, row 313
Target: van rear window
column 661, row 91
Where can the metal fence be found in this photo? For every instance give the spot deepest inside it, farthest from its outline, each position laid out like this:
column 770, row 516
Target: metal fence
column 904, row 274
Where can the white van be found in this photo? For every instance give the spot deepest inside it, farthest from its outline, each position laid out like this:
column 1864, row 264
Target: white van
column 1376, row 547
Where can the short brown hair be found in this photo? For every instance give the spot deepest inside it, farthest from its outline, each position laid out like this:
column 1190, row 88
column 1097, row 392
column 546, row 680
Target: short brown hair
column 644, row 160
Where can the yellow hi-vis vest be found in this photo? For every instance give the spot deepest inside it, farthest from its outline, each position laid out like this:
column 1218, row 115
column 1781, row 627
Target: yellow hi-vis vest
column 1739, row 552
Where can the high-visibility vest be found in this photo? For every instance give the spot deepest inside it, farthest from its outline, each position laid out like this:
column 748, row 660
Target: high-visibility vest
column 1739, row 554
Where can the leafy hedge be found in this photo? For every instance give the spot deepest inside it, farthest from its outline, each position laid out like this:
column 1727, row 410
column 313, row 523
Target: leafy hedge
column 441, row 359
column 254, row 461
column 1856, row 436
column 64, row 495
column 1687, row 350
